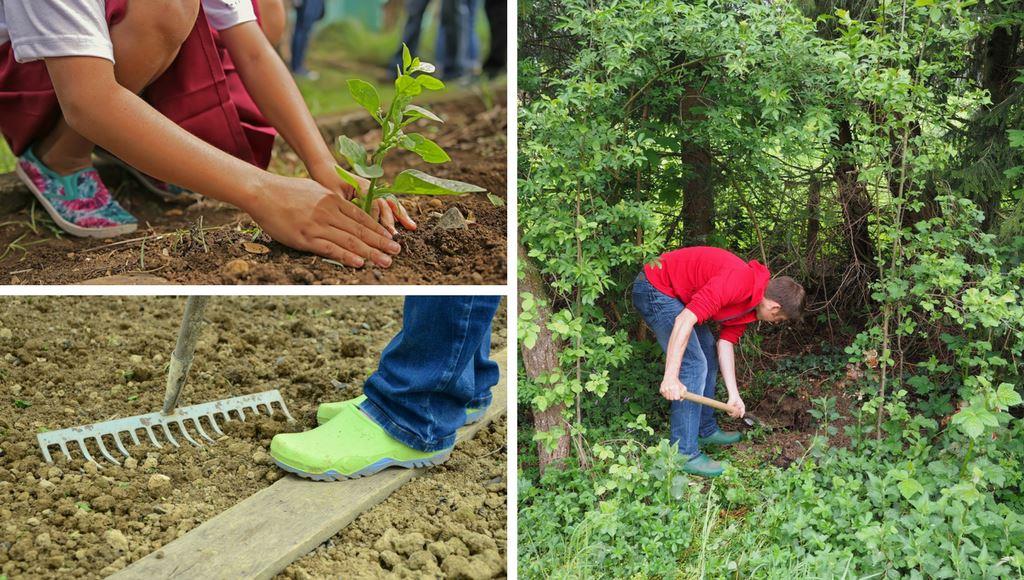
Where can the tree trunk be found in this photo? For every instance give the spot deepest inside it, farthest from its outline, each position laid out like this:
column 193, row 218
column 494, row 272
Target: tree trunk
column 698, row 207
column 853, row 197
column 541, row 359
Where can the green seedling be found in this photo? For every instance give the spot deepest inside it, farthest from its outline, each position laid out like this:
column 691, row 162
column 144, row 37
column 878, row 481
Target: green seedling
column 413, row 78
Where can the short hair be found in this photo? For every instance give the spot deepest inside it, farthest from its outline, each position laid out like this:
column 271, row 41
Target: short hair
column 789, row 294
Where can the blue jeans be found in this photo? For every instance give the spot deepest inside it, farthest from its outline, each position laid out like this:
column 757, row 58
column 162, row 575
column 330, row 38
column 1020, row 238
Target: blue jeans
column 434, row 369
column 699, row 371
column 306, row 16
column 414, row 10
column 457, row 53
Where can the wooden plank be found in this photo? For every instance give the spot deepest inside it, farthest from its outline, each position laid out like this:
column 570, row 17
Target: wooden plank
column 261, row 535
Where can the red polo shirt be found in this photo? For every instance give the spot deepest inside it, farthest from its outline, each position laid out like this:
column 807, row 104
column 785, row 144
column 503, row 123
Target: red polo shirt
column 715, row 284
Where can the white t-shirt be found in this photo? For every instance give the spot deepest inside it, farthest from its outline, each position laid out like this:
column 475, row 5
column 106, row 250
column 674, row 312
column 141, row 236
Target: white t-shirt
column 51, row 28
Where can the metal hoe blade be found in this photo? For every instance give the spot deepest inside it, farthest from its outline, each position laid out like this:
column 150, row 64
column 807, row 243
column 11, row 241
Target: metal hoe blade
column 184, row 419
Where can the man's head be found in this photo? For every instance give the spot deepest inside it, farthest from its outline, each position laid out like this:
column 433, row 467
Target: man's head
column 783, row 300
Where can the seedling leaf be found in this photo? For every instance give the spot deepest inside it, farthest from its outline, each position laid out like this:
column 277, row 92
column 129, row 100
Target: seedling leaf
column 423, row 67
column 430, row 83
column 406, row 56
column 348, row 177
column 414, row 181
column 408, row 86
column 353, row 152
column 417, row 112
column 495, row 200
column 368, row 171
column 430, row 152
column 364, row 94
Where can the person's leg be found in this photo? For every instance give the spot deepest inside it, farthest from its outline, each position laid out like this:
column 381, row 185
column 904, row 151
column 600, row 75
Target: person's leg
column 484, row 374
column 472, row 52
column 660, row 311
column 300, row 36
column 497, row 18
column 414, row 9
column 453, row 16
column 708, row 424
column 146, row 42
column 419, row 393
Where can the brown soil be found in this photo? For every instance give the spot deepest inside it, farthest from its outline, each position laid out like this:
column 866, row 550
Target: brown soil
column 202, row 243
column 72, row 361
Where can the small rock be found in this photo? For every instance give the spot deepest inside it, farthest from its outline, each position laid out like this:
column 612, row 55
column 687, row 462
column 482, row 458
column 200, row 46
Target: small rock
column 43, row 540
column 237, row 268
column 478, row 542
column 104, row 502
column 5, row 333
column 150, row 462
column 422, row 560
column 158, row 484
column 116, row 540
column 389, row 559
column 33, row 521
column 46, row 485
column 452, row 220
column 92, row 468
column 409, row 543
column 261, row 458
column 131, row 463
column 439, row 549
column 54, row 472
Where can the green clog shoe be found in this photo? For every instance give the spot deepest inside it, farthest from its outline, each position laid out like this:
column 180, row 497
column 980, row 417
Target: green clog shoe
column 721, row 438
column 701, row 465
column 326, row 411
column 348, row 446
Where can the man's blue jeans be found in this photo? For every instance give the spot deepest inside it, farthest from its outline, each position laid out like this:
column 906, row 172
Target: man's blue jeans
column 698, row 373
column 434, row 369
column 414, row 11
column 306, row 16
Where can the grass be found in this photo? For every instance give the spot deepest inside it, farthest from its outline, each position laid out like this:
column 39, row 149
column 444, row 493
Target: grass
column 6, row 158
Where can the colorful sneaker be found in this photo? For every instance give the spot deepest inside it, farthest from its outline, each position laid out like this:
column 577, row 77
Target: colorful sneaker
column 721, row 438
column 348, row 446
column 326, row 411
column 703, row 466
column 79, row 203
column 166, row 191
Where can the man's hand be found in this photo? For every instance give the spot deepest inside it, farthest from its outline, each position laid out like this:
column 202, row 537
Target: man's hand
column 736, row 402
column 672, row 389
column 302, row 214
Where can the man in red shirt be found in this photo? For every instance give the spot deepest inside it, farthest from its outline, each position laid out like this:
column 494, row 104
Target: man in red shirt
column 677, row 296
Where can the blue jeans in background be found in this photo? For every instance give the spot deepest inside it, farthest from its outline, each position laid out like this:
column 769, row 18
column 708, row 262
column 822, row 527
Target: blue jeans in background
column 434, row 369
column 698, row 373
column 306, row 15
column 414, row 11
column 464, row 41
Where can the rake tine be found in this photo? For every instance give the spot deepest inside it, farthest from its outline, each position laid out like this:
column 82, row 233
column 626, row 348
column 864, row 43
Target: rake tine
column 152, row 437
column 85, row 452
column 199, row 428
column 184, row 431
column 120, row 447
column 134, row 437
column 46, row 455
column 241, row 414
column 213, row 421
column 170, row 437
column 64, row 448
column 284, row 409
column 103, row 450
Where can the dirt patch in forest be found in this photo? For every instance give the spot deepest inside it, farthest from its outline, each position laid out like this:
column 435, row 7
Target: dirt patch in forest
column 204, row 242
column 72, row 361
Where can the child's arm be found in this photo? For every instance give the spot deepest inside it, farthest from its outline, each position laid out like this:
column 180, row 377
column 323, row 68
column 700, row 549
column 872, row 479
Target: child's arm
column 727, row 365
column 671, row 387
column 296, row 212
column 278, row 98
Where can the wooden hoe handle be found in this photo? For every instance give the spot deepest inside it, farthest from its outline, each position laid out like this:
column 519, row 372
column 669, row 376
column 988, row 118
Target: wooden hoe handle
column 706, row 401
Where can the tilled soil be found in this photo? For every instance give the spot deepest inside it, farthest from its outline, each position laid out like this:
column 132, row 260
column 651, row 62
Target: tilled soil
column 72, row 361
column 205, row 242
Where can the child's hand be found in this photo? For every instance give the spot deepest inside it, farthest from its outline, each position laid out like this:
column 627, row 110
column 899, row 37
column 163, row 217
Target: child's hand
column 672, row 389
column 385, row 211
column 302, row 214
column 736, row 402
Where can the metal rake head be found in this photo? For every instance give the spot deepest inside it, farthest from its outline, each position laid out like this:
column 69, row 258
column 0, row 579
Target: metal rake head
column 158, row 423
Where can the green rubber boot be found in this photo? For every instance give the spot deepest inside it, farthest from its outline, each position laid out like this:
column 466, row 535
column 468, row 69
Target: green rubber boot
column 701, row 465
column 326, row 411
column 348, row 446
column 721, row 438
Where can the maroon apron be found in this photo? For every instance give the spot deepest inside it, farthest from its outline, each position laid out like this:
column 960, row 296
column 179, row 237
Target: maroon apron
column 201, row 92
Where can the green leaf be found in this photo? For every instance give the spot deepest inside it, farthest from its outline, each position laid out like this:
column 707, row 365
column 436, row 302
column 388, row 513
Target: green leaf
column 417, row 112
column 910, row 487
column 406, row 86
column 368, row 171
column 406, row 56
column 1016, row 137
column 1007, row 396
column 353, row 152
column 22, row 404
column 430, row 83
column 364, row 94
column 348, row 177
column 423, row 67
column 428, row 150
column 497, row 201
column 414, row 181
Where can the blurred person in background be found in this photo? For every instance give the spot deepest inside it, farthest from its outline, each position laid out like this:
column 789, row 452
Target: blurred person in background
column 307, row 13
column 457, row 49
column 497, row 21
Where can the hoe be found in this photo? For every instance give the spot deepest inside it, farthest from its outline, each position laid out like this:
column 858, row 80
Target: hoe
column 171, row 418
column 748, row 419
